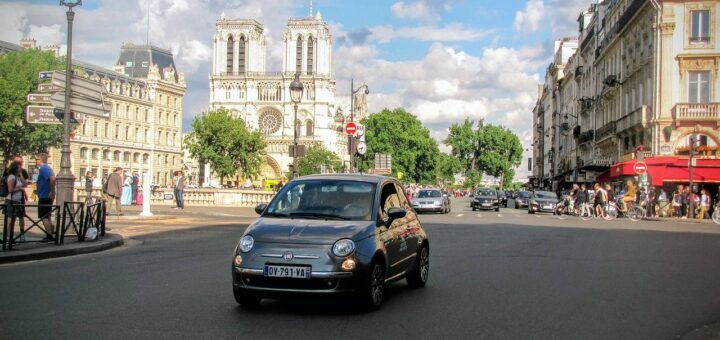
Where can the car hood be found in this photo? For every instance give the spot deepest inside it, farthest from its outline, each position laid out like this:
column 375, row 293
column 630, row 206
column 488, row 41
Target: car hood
column 309, row 231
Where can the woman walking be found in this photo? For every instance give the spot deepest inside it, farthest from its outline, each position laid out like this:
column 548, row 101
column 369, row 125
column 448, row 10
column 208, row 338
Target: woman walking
column 126, row 198
column 16, row 185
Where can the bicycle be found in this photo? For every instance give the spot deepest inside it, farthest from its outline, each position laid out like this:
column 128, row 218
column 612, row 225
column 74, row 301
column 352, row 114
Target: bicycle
column 586, row 211
column 634, row 212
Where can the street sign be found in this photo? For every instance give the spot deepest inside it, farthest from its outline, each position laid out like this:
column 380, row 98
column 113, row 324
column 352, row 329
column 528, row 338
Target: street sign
column 360, row 130
column 350, row 128
column 361, row 148
column 82, row 105
column 383, row 161
column 35, row 114
column 640, row 168
column 49, row 87
column 45, row 75
column 38, row 98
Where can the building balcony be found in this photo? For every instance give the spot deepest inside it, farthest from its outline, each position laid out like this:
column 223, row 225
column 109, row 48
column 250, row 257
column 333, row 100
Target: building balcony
column 606, row 131
column 586, row 136
column 637, row 118
column 693, row 113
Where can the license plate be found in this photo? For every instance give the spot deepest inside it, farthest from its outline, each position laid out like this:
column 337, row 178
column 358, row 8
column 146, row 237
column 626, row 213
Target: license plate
column 287, row 271
column 547, row 207
column 486, row 204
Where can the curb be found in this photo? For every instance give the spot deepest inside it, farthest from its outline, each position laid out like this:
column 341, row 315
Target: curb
column 110, row 241
column 115, row 218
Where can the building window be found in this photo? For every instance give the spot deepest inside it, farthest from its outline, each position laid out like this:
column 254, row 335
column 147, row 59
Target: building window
column 83, row 152
column 230, row 47
column 116, row 156
column 127, row 133
column 96, row 133
column 136, row 156
column 298, row 55
column 137, row 135
column 699, row 86
column 117, row 131
column 95, row 153
column 700, row 27
column 107, row 130
column 310, row 56
column 106, row 155
column 309, row 130
column 241, row 55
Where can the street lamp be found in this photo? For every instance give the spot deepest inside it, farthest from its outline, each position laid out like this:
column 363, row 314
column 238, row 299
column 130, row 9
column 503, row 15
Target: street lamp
column 65, row 178
column 296, row 92
column 693, row 140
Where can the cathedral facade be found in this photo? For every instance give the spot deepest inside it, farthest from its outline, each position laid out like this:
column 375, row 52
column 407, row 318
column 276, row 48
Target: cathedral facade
column 241, row 83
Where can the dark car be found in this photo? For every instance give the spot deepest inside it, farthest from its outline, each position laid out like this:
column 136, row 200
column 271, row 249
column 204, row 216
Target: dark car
column 522, row 199
column 485, row 199
column 502, row 196
column 331, row 234
column 431, row 200
column 542, row 201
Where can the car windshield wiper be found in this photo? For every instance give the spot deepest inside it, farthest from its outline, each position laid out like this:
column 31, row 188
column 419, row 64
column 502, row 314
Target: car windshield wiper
column 276, row 214
column 319, row 215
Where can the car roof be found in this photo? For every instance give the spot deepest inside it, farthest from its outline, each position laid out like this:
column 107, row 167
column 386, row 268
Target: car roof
column 349, row 177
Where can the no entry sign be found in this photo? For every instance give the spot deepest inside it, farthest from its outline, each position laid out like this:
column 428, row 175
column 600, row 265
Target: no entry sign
column 640, row 168
column 350, row 128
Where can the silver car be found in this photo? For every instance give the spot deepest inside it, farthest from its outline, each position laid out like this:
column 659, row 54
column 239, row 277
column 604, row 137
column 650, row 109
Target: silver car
column 431, row 200
column 331, row 234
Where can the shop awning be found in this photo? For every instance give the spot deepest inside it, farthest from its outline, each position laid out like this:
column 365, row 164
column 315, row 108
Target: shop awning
column 666, row 169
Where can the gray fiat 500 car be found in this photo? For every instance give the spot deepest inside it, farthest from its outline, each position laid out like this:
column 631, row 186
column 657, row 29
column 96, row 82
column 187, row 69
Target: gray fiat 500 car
column 331, row 234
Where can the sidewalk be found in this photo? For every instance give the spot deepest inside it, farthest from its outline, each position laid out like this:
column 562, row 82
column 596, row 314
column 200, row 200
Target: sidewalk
column 166, row 211
column 675, row 219
column 31, row 251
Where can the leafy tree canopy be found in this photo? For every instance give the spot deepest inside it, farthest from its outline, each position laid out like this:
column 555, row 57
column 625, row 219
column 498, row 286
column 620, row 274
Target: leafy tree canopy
column 400, row 134
column 18, row 77
column 315, row 158
column 225, row 142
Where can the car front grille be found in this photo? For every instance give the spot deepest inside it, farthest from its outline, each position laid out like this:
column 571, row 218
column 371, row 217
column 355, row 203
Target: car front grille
column 289, row 283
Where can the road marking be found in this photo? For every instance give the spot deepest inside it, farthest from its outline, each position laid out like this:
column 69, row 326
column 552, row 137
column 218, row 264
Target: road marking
column 460, row 215
column 479, row 215
column 499, row 215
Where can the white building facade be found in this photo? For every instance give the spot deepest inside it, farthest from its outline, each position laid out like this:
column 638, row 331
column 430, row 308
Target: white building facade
column 240, row 82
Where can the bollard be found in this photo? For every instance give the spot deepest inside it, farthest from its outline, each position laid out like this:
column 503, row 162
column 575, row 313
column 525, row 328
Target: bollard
column 147, row 195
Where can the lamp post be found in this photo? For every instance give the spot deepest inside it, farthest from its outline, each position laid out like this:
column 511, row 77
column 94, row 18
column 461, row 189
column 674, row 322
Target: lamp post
column 693, row 140
column 65, row 178
column 296, row 92
column 353, row 92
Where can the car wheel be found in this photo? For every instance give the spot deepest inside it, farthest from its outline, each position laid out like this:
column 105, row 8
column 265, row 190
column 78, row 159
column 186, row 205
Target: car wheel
column 497, row 209
column 517, row 206
column 473, row 207
column 373, row 293
column 418, row 276
column 246, row 299
column 530, row 211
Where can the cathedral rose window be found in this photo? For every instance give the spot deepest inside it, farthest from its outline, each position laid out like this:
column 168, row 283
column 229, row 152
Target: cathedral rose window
column 270, row 122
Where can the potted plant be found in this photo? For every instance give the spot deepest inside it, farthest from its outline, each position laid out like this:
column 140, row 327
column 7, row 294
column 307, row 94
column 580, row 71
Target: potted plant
column 667, row 131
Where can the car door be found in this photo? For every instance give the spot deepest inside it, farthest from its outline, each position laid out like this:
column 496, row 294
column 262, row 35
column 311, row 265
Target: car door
column 393, row 235
column 411, row 229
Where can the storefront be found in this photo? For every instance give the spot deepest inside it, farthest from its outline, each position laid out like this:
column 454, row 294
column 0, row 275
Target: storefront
column 667, row 171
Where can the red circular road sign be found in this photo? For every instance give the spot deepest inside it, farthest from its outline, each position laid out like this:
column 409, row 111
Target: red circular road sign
column 640, row 168
column 350, row 128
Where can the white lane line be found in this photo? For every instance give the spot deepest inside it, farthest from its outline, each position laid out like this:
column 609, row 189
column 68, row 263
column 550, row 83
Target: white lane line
column 460, row 215
column 499, row 215
column 479, row 215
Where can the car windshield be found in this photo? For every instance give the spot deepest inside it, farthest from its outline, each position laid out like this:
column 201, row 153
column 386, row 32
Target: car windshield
column 429, row 193
column 324, row 199
column 485, row 192
column 545, row 194
column 523, row 194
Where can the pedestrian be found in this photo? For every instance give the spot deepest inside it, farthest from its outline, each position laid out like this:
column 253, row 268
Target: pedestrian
column 103, row 182
column 114, row 190
column 16, row 197
column 581, row 196
column 179, row 190
column 126, row 198
column 46, row 195
column 89, row 178
column 134, row 186
column 704, row 204
column 630, row 195
column 678, row 202
column 601, row 199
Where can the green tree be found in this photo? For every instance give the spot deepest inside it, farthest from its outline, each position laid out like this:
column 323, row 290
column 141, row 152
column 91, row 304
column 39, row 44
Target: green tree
column 446, row 167
column 315, row 157
column 18, row 77
column 489, row 149
column 403, row 136
column 226, row 143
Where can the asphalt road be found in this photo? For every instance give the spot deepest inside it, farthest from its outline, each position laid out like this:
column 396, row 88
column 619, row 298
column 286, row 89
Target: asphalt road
column 506, row 275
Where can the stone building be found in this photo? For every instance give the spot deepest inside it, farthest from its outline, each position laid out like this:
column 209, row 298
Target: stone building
column 241, row 83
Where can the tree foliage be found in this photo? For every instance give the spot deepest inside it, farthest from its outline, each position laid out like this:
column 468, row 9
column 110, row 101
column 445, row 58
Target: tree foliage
column 402, row 135
column 315, row 157
column 226, row 143
column 18, row 77
column 489, row 149
column 446, row 166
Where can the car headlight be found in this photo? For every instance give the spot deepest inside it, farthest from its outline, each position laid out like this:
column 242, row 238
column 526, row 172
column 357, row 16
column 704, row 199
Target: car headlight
column 343, row 247
column 246, row 243
column 495, row 201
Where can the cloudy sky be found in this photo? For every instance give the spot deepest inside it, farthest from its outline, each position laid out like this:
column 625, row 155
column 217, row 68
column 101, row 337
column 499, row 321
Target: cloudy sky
column 443, row 60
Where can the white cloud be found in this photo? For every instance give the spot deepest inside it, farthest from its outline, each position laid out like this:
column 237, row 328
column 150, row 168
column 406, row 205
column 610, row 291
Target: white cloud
column 531, row 17
column 450, row 32
column 558, row 15
column 417, row 10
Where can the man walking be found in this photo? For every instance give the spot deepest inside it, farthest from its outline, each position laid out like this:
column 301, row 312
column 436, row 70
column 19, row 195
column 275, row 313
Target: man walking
column 46, row 195
column 134, row 186
column 179, row 190
column 114, row 190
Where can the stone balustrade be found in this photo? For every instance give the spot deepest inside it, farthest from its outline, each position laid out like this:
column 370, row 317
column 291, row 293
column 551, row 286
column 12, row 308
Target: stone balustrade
column 697, row 112
column 202, row 197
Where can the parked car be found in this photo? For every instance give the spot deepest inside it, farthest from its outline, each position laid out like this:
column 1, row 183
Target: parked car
column 522, row 199
column 331, row 234
column 542, row 201
column 502, row 196
column 431, row 200
column 485, row 199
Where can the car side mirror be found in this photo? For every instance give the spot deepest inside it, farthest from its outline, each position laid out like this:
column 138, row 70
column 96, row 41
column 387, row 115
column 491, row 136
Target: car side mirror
column 260, row 208
column 395, row 213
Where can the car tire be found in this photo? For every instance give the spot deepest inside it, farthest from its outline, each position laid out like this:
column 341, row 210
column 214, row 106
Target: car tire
column 246, row 299
column 517, row 206
column 530, row 211
column 372, row 294
column 473, row 207
column 497, row 209
column 418, row 276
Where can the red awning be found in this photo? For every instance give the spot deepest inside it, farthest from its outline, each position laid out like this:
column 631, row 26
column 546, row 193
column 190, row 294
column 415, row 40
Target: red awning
column 667, row 169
